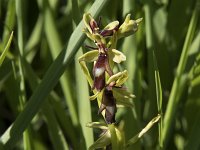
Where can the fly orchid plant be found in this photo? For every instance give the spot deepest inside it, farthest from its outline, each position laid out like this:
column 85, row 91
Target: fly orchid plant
column 106, row 85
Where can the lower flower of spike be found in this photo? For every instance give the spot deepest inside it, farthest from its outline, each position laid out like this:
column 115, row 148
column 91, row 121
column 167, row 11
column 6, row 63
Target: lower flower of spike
column 109, row 104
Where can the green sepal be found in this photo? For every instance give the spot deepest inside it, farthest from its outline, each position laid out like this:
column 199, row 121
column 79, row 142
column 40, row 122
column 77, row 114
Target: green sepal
column 86, row 19
column 88, row 34
column 86, row 72
column 113, row 41
column 124, row 103
column 90, row 56
column 118, row 56
column 96, row 94
column 119, row 78
column 122, row 79
column 102, row 141
column 99, row 125
column 117, row 138
column 122, row 93
column 123, row 96
column 99, row 39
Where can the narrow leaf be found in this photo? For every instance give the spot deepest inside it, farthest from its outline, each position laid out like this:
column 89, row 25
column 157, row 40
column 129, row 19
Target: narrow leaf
column 5, row 51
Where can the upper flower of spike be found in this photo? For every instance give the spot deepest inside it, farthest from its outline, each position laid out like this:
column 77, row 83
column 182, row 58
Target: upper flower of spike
column 90, row 23
column 92, row 28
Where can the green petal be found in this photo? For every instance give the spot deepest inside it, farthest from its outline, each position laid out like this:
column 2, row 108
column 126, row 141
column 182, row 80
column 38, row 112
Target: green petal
column 90, row 56
column 99, row 125
column 98, row 38
column 122, row 93
column 112, row 25
column 87, row 18
column 117, row 56
column 122, row 78
column 119, row 78
column 117, row 139
column 89, row 35
column 93, row 97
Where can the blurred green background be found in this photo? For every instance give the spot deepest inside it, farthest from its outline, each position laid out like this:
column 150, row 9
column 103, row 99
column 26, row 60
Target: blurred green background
column 44, row 96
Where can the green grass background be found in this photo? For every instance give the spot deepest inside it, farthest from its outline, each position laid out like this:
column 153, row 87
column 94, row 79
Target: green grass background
column 44, row 96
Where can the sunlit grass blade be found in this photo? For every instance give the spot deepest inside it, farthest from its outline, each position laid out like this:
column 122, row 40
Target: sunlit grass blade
column 8, row 25
column 52, row 121
column 14, row 132
column 175, row 92
column 5, row 51
column 55, row 45
column 84, row 107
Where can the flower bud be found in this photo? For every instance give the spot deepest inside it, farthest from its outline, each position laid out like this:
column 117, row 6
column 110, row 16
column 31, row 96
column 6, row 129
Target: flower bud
column 129, row 27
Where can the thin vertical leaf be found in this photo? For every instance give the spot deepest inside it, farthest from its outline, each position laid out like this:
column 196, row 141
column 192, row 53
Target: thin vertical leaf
column 174, row 99
column 129, row 47
column 5, row 51
column 55, row 47
column 159, row 98
column 22, row 95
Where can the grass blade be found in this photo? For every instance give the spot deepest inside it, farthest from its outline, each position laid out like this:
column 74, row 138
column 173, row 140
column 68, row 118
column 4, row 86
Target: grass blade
column 84, row 108
column 55, row 47
column 174, row 100
column 35, row 35
column 5, row 51
column 14, row 132
column 9, row 25
column 49, row 114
